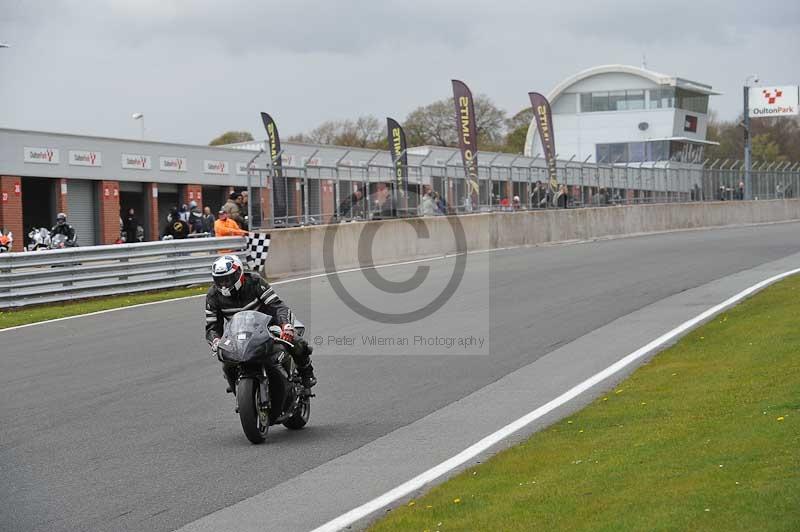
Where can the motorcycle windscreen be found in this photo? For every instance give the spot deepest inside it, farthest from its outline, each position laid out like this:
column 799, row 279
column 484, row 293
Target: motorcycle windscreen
column 246, row 337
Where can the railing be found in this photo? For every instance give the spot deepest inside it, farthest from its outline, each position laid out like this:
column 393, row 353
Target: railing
column 316, row 194
column 74, row 273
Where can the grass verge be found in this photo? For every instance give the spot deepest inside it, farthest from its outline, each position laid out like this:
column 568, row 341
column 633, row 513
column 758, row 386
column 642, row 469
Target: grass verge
column 706, row 436
column 33, row 314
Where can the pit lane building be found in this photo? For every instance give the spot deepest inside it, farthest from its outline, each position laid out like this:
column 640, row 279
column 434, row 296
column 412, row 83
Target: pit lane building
column 610, row 114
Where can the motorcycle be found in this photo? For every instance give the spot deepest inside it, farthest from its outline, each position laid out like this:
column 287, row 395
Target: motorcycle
column 6, row 241
column 58, row 241
column 39, row 239
column 262, row 375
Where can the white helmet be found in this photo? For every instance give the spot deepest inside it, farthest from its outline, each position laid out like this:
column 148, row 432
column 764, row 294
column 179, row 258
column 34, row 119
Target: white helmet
column 228, row 274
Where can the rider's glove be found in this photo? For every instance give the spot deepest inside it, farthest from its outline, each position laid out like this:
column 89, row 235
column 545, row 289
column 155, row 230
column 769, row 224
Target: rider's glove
column 214, row 347
column 287, row 332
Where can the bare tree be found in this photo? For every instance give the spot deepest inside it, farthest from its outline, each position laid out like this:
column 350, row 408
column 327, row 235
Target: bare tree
column 364, row 132
column 435, row 123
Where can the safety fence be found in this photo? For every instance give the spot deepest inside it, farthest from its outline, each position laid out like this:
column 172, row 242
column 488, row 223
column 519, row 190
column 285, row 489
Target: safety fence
column 314, row 194
column 81, row 272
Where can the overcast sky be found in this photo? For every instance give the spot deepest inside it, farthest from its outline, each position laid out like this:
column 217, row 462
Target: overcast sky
column 198, row 68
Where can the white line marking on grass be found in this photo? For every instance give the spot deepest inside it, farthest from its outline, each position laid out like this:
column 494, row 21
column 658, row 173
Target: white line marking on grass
column 483, row 445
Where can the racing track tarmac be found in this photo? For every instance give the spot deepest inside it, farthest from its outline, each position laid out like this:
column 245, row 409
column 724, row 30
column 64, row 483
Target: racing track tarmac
column 120, row 421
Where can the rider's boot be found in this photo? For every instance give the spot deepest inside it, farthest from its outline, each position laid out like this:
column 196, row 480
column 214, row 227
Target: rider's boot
column 307, row 374
column 302, row 358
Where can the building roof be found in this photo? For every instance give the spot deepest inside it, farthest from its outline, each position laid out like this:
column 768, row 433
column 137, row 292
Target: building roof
column 655, row 77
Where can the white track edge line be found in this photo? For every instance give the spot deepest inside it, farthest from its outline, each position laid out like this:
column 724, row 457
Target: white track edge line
column 483, row 445
column 403, row 263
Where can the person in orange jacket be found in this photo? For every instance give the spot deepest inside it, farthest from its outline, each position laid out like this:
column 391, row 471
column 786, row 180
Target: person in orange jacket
column 224, row 226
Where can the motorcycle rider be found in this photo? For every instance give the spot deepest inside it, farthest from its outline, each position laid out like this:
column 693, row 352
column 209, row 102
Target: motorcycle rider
column 235, row 290
column 63, row 228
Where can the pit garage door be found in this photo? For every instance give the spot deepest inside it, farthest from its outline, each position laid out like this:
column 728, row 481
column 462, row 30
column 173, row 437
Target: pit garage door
column 82, row 207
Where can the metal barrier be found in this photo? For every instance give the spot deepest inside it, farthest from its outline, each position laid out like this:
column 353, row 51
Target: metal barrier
column 63, row 274
column 314, row 193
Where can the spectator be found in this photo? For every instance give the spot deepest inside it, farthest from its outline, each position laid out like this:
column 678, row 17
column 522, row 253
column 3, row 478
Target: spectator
column 195, row 218
column 184, row 213
column 601, row 198
column 562, row 197
column 439, row 206
column 539, row 197
column 207, row 221
column 351, row 207
column 233, row 208
column 504, row 204
column 426, row 204
column 130, row 227
column 224, row 226
column 383, row 201
column 779, row 191
column 176, row 227
column 516, row 204
column 740, row 191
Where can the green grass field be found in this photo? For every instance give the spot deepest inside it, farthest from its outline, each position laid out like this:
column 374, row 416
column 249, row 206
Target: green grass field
column 11, row 318
column 705, row 437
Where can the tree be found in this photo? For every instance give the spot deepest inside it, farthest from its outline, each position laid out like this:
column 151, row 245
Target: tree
column 231, row 137
column 517, row 127
column 434, row 123
column 766, row 149
column 773, row 139
column 364, row 132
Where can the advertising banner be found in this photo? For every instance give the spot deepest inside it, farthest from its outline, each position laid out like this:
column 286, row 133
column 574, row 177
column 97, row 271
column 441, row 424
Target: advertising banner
column 173, row 164
column 397, row 147
column 241, row 168
column 216, row 167
column 41, row 155
column 544, row 123
column 131, row 161
column 773, row 101
column 273, row 142
column 85, row 158
column 280, row 191
column 467, row 137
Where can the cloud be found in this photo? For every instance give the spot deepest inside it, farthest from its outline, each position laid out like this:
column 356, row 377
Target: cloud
column 200, row 67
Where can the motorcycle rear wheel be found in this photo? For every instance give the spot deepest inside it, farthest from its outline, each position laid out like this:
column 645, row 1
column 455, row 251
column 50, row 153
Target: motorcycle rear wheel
column 255, row 426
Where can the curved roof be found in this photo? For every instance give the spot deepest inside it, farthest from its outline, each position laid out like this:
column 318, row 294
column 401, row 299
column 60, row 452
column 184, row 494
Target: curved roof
column 655, row 77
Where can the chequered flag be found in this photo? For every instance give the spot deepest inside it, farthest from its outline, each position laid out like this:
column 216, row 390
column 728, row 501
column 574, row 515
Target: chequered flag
column 257, row 250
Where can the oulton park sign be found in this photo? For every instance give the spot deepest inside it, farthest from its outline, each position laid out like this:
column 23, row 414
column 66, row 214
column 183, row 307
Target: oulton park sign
column 774, row 101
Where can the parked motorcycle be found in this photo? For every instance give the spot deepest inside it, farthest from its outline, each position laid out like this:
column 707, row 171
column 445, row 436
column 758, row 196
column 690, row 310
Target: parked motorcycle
column 262, row 375
column 123, row 236
column 39, row 239
column 58, row 241
column 6, row 241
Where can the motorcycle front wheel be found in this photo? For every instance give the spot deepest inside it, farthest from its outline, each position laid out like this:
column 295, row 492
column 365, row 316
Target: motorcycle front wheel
column 255, row 423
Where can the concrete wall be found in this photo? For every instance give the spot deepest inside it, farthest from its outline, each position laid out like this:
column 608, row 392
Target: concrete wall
column 300, row 250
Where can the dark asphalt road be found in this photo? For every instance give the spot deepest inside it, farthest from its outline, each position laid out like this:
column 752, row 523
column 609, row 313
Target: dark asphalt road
column 120, row 421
